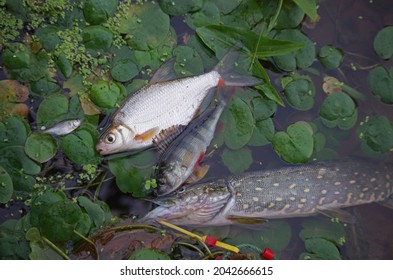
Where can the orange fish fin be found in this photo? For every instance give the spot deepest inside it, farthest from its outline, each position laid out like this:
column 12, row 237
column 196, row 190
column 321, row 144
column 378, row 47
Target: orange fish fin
column 166, row 136
column 198, row 174
column 145, row 136
column 187, row 159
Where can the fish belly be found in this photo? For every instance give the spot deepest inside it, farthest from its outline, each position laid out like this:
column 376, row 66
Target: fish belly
column 165, row 104
column 304, row 190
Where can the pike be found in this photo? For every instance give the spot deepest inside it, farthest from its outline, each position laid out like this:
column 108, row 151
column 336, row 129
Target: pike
column 166, row 103
column 295, row 191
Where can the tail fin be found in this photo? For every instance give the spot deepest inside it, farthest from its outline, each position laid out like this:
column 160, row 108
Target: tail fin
column 229, row 69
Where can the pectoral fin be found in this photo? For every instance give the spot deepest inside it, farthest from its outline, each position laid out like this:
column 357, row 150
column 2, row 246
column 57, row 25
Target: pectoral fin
column 147, row 135
column 167, row 136
column 165, row 73
column 343, row 216
column 198, row 174
column 246, row 220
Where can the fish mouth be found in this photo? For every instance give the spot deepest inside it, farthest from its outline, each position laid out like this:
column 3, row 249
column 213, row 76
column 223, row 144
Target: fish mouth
column 102, row 151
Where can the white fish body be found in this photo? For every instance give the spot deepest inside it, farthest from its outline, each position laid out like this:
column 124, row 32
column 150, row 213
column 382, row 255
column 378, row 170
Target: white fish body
column 62, row 128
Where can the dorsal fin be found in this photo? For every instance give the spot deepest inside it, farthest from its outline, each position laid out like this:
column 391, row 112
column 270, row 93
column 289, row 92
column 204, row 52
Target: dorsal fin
column 166, row 72
column 166, row 137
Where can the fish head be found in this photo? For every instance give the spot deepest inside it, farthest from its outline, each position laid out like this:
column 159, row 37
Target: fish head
column 75, row 123
column 115, row 139
column 169, row 177
column 191, row 205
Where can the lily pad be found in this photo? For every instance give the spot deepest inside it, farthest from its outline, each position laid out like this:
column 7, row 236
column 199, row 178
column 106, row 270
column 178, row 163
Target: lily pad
column 263, row 133
column 44, row 87
column 146, row 26
column 40, row 147
column 383, row 43
column 338, row 109
column 148, row 254
column 46, row 115
column 263, row 108
column 106, row 94
column 330, row 57
column 40, row 250
column 300, row 93
column 315, row 228
column 380, row 81
column 94, row 211
column 48, row 37
column 16, row 56
column 97, row 38
column 320, row 249
column 302, row 58
column 237, row 161
column 377, row 133
column 291, row 15
column 13, row 244
column 124, row 70
column 98, row 11
column 180, row 7
column 188, row 62
column 296, row 144
column 64, row 65
column 15, row 157
column 6, row 186
column 209, row 14
column 239, row 124
column 13, row 131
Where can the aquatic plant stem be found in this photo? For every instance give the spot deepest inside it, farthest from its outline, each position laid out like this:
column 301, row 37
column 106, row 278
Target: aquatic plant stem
column 55, row 248
column 88, row 241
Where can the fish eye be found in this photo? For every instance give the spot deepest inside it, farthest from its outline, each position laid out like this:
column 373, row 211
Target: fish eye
column 181, row 190
column 110, row 138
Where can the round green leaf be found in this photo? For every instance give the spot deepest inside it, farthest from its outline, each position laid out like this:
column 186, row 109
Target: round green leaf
column 41, row 202
column 124, row 70
column 16, row 56
column 94, row 211
column 227, row 6
column 64, row 65
column 6, row 186
column 13, row 244
column 302, row 58
column 321, row 249
column 105, row 94
column 208, row 15
column 146, row 26
column 291, row 15
column 97, row 38
column 13, row 131
column 188, row 62
column 297, row 144
column 338, row 109
column 263, row 108
column 263, row 133
column 377, row 133
column 44, row 87
column 98, row 11
column 180, row 7
column 48, row 37
column 80, row 146
column 330, row 57
column 148, row 254
column 40, row 147
column 15, row 157
column 46, row 115
column 315, row 228
column 383, row 43
column 380, row 81
column 237, row 161
column 239, row 124
column 300, row 93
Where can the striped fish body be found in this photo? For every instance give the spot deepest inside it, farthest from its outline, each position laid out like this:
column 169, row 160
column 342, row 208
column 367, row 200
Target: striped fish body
column 183, row 156
column 294, row 191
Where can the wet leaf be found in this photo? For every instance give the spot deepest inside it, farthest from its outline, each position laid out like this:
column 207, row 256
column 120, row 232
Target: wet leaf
column 180, row 7
column 40, row 147
column 300, row 93
column 207, row 55
column 296, row 144
column 40, row 202
column 338, row 109
column 320, row 249
column 263, row 108
column 45, row 87
column 11, row 93
column 302, row 58
column 239, row 124
column 13, row 244
column 263, row 133
column 319, row 142
column 6, row 186
column 98, row 11
column 97, row 38
column 48, row 37
column 315, row 228
column 65, row 66
column 15, row 157
column 13, row 131
column 330, row 57
column 106, row 94
column 376, row 132
column 188, row 62
column 380, row 81
column 290, row 16
column 124, row 70
column 209, row 14
column 383, row 43
column 74, row 84
column 79, row 146
column 146, row 26
column 46, row 115
column 148, row 254
column 309, row 7
column 237, row 161
column 16, row 56
column 39, row 249
column 94, row 211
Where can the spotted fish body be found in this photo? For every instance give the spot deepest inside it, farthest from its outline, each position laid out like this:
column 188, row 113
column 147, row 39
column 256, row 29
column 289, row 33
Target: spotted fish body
column 294, row 191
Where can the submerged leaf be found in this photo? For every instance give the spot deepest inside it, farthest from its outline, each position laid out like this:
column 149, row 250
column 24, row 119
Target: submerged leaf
column 380, row 81
column 377, row 133
column 383, row 42
column 320, row 249
column 237, row 161
column 330, row 57
column 300, row 93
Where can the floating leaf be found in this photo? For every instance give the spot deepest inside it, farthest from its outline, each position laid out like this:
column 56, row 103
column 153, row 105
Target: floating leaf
column 263, row 133
column 188, row 62
column 106, row 94
column 263, row 108
column 239, row 124
column 330, row 57
column 209, row 14
column 15, row 157
column 45, row 87
column 180, row 7
column 13, row 131
column 98, row 11
column 16, row 56
column 383, row 43
column 40, row 250
column 97, row 38
column 320, row 249
column 6, row 186
column 296, row 145
column 300, row 93
column 46, row 115
column 377, row 133
column 302, row 58
column 290, row 16
column 65, row 66
column 338, row 109
column 380, row 81
column 148, row 254
column 94, row 211
column 237, row 161
column 315, row 228
column 13, row 244
column 40, row 147
column 124, row 70
column 146, row 24
column 48, row 37
column 309, row 7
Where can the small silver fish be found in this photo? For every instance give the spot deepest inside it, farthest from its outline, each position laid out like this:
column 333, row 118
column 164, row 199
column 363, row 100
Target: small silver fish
column 62, row 128
column 163, row 104
column 295, row 191
column 181, row 159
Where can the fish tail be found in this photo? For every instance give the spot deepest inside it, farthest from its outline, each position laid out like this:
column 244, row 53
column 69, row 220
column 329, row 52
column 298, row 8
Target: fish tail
column 230, row 72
